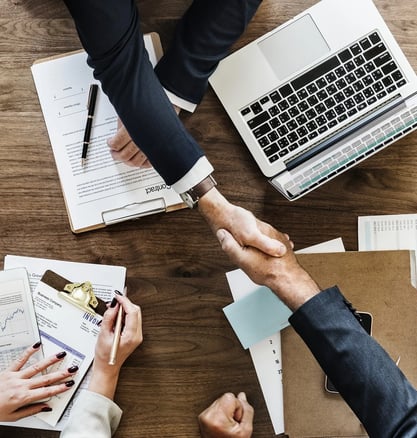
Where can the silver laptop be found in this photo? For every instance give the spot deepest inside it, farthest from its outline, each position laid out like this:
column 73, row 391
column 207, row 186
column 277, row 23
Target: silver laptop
column 319, row 94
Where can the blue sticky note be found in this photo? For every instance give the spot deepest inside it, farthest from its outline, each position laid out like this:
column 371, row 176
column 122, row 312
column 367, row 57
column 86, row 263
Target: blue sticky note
column 257, row 316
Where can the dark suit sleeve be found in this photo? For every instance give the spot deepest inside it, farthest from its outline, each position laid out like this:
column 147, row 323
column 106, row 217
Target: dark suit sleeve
column 110, row 33
column 366, row 377
column 203, row 37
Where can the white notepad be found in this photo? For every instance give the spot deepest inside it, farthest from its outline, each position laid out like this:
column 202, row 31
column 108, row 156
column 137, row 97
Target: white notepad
column 104, row 191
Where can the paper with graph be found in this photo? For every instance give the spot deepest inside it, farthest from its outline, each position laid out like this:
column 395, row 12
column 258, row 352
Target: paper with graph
column 18, row 326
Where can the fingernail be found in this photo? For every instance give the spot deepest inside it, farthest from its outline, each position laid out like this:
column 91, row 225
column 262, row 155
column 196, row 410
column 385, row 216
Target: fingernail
column 108, row 302
column 73, row 369
column 242, row 396
column 220, row 235
column 113, row 302
column 46, row 409
column 69, row 383
column 61, row 355
column 99, row 323
column 37, row 345
column 282, row 249
column 118, row 292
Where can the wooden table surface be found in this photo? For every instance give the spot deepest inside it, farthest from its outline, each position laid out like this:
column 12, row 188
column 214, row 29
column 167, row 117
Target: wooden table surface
column 176, row 269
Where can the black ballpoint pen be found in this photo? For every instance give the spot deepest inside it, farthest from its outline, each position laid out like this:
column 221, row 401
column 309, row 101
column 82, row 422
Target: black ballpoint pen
column 91, row 106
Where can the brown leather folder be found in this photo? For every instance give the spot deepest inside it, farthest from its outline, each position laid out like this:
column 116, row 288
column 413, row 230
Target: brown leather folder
column 378, row 282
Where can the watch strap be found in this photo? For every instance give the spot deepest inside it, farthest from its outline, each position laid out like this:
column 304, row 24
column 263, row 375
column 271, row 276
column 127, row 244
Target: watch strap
column 202, row 187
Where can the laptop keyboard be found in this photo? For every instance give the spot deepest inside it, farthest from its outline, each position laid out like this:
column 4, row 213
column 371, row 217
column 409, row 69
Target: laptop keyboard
column 339, row 160
column 324, row 97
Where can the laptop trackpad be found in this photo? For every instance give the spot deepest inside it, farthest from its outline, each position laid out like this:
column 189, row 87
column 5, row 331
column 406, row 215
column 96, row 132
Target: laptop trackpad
column 293, row 47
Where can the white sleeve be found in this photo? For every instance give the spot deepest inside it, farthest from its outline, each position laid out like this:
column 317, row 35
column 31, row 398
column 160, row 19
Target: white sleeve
column 201, row 169
column 92, row 415
column 180, row 102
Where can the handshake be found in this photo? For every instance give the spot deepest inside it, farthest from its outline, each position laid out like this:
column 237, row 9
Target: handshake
column 264, row 253
column 266, row 256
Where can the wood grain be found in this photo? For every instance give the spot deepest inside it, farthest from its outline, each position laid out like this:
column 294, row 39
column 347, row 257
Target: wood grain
column 176, row 269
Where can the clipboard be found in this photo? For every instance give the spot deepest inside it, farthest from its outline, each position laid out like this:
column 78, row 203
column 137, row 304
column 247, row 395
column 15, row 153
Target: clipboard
column 69, row 316
column 80, row 295
column 137, row 210
column 105, row 192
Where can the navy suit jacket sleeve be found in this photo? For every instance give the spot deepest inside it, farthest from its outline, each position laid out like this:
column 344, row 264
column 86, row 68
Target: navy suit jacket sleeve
column 366, row 377
column 203, row 37
column 111, row 35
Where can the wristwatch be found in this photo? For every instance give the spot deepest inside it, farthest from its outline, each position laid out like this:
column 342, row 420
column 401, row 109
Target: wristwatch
column 191, row 196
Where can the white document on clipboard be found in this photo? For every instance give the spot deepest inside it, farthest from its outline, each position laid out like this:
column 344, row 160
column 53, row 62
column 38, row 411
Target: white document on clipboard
column 104, row 278
column 104, row 191
column 65, row 326
column 266, row 354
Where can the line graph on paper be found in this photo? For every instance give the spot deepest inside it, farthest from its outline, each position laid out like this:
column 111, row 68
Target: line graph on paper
column 15, row 327
column 13, row 322
column 18, row 328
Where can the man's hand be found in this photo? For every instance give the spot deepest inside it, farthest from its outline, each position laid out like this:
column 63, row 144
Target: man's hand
column 283, row 275
column 242, row 224
column 122, row 148
column 227, row 417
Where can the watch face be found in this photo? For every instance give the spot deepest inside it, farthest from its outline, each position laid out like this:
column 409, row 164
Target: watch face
column 186, row 197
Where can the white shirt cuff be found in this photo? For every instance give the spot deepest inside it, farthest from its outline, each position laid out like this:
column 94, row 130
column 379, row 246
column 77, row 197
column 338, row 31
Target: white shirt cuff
column 201, row 169
column 180, row 102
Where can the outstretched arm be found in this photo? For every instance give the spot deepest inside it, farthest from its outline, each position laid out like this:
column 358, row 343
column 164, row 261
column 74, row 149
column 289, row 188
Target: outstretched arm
column 366, row 377
column 111, row 35
column 364, row 374
column 110, row 32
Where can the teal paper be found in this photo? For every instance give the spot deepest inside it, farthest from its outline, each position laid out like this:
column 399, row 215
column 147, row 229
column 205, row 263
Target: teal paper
column 257, row 316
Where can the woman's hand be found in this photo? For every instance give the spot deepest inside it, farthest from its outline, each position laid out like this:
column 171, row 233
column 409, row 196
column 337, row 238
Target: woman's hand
column 23, row 389
column 104, row 377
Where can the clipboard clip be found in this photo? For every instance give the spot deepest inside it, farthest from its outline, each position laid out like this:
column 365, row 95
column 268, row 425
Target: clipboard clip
column 80, row 295
column 134, row 210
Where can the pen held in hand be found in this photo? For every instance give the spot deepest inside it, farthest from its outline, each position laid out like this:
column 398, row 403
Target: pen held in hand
column 117, row 333
column 91, row 106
